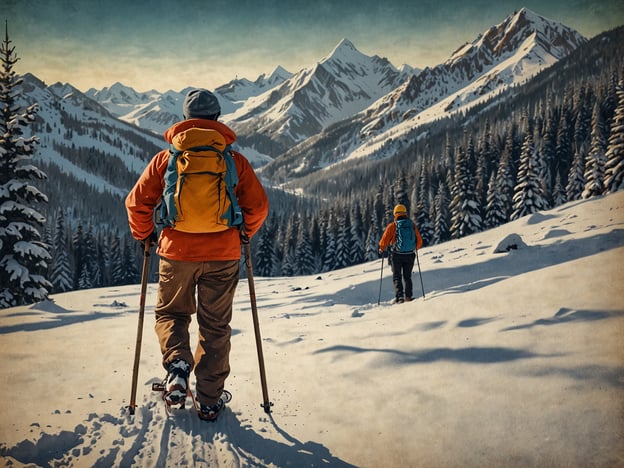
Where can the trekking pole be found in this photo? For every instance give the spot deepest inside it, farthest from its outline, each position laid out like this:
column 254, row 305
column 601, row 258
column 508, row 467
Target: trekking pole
column 137, row 349
column 420, row 274
column 380, row 279
column 266, row 404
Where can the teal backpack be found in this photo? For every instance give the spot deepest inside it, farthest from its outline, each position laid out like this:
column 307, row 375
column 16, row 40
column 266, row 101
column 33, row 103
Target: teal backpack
column 405, row 236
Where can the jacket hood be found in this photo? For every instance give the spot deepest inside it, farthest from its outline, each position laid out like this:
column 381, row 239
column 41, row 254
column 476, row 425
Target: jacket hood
column 227, row 132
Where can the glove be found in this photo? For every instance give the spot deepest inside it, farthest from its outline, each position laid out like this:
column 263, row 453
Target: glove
column 381, row 252
column 150, row 240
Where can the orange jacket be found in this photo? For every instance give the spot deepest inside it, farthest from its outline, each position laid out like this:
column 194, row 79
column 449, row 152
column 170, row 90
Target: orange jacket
column 389, row 236
column 176, row 245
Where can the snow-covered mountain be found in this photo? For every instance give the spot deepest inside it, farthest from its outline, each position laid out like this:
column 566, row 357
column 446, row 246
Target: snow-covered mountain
column 505, row 55
column 338, row 86
column 156, row 111
column 375, row 104
column 75, row 132
column 239, row 90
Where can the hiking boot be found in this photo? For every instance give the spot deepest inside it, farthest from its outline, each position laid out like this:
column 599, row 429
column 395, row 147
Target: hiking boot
column 210, row 413
column 409, row 299
column 398, row 300
column 176, row 386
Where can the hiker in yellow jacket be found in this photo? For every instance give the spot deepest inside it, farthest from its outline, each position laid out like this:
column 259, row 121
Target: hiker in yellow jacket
column 403, row 237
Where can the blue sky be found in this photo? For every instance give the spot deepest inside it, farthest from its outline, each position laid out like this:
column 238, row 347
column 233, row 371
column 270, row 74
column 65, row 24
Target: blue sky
column 169, row 44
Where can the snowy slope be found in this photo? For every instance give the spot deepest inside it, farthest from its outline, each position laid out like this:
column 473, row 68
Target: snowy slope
column 512, row 359
column 73, row 122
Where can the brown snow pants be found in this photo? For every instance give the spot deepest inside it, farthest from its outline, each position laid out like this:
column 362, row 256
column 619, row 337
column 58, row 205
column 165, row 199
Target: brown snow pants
column 205, row 288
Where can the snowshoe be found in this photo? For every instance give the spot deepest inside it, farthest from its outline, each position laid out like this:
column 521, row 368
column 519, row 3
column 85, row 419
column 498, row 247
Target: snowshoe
column 211, row 413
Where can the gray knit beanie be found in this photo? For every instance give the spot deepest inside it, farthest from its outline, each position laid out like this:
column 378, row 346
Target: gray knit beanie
column 201, row 104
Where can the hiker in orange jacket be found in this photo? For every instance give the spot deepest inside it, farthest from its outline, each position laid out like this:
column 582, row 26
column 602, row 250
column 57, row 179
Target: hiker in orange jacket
column 202, row 265
column 403, row 237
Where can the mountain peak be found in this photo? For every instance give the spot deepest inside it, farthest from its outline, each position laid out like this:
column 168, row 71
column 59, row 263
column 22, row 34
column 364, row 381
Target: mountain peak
column 345, row 50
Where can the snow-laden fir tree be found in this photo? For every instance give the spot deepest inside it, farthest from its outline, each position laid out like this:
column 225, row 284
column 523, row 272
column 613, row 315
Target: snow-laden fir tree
column 465, row 209
column 116, row 261
column 329, row 235
column 266, row 260
column 24, row 257
column 441, row 222
column 343, row 241
column 422, row 206
column 500, row 189
column 357, row 245
column 60, row 272
column 614, row 166
column 576, row 177
column 305, row 258
column 528, row 195
column 595, row 162
column 372, row 242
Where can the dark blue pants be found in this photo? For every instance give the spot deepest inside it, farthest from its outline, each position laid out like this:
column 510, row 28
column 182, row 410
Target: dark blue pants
column 402, row 266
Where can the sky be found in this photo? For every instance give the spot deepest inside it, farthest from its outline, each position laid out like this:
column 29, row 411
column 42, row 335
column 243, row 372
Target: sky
column 168, row 44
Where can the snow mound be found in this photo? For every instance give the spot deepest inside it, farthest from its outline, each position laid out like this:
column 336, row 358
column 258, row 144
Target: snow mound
column 511, row 242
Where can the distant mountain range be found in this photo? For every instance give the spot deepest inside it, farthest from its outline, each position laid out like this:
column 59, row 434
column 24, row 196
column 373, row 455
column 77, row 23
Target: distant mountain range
column 369, row 96
column 346, row 106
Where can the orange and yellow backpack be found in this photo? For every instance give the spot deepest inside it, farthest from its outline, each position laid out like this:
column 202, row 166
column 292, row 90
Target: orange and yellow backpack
column 199, row 184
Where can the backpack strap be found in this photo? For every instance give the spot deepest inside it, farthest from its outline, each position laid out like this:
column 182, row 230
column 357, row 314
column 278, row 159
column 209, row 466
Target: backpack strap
column 235, row 215
column 168, row 210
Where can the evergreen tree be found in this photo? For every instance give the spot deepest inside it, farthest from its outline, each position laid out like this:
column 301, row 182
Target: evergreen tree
column 60, row 274
column 548, row 151
column 422, row 211
column 356, row 243
column 441, row 225
column 266, row 260
column 500, row 190
column 379, row 207
column 130, row 269
column 78, row 249
column 117, row 274
column 485, row 157
column 495, row 208
column 372, row 242
column 24, row 257
column 576, row 177
column 305, row 258
column 559, row 194
column 401, row 191
column 289, row 263
column 330, row 235
column 595, row 162
column 563, row 149
column 582, row 125
column 465, row 209
column 614, row 166
column 343, row 238
column 91, row 276
column 528, row 196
